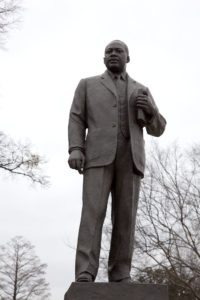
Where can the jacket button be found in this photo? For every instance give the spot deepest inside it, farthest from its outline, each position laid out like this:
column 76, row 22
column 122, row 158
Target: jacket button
column 113, row 125
column 115, row 105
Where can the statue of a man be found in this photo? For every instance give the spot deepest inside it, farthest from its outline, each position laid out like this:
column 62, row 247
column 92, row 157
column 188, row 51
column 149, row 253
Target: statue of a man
column 106, row 144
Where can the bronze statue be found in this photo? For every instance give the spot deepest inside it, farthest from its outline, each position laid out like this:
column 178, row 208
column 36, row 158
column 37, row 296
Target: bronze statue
column 114, row 108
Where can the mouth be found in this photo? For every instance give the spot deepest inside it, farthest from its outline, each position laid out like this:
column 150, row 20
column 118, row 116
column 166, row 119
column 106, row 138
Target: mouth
column 113, row 60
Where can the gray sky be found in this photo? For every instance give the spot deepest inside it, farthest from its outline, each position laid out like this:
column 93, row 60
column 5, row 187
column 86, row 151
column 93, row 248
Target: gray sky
column 58, row 43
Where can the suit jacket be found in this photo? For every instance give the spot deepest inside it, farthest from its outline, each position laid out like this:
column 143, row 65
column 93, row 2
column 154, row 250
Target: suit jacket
column 93, row 122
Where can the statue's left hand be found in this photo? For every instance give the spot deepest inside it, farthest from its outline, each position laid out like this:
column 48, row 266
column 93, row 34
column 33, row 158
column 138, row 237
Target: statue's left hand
column 143, row 102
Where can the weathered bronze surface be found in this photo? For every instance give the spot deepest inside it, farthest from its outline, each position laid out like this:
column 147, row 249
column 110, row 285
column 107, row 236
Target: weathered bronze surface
column 115, row 109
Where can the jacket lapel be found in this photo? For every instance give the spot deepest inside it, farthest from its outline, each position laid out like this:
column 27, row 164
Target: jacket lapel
column 106, row 80
column 131, row 88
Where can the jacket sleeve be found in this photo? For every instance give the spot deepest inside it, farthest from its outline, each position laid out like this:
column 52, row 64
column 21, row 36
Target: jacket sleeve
column 156, row 125
column 77, row 119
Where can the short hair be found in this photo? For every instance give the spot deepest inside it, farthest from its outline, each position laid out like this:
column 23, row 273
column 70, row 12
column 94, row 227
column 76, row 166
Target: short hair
column 120, row 42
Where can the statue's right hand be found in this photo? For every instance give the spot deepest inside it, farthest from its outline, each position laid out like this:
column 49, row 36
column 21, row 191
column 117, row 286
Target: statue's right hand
column 77, row 160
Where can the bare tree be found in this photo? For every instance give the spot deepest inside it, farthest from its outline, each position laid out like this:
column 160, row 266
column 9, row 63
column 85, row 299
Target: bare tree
column 9, row 16
column 167, row 245
column 168, row 227
column 162, row 276
column 21, row 273
column 18, row 159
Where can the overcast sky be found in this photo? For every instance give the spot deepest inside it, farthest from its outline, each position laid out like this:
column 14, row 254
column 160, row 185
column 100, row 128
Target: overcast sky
column 58, row 43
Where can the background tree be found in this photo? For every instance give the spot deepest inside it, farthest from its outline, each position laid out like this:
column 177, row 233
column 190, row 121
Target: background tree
column 167, row 247
column 168, row 227
column 21, row 272
column 18, row 159
column 9, row 16
column 162, row 276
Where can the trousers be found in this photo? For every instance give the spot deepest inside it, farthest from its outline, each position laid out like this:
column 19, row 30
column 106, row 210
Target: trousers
column 123, row 183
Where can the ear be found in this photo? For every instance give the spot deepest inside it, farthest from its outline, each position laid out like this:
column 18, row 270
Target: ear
column 128, row 59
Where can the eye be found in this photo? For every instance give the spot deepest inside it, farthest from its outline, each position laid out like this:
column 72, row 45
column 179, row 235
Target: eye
column 119, row 50
column 108, row 51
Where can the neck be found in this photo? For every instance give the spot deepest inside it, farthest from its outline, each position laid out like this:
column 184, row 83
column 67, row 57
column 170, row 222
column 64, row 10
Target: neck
column 117, row 72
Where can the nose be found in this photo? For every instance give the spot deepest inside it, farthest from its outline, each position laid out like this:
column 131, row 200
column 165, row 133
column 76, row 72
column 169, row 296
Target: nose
column 114, row 53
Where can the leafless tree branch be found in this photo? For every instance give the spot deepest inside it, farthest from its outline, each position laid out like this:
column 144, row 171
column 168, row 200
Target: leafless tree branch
column 18, row 159
column 9, row 16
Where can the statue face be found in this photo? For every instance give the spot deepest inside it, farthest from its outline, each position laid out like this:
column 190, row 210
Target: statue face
column 116, row 57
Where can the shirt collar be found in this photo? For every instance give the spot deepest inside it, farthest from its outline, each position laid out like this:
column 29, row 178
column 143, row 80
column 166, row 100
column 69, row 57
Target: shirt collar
column 122, row 75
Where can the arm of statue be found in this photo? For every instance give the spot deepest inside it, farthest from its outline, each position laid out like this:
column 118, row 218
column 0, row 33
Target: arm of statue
column 76, row 160
column 77, row 128
column 143, row 102
column 155, row 122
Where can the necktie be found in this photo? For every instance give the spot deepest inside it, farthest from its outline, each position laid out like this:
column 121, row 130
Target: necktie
column 123, row 105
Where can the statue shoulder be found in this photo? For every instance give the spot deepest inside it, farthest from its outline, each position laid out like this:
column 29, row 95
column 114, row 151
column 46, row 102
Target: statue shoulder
column 92, row 78
column 138, row 84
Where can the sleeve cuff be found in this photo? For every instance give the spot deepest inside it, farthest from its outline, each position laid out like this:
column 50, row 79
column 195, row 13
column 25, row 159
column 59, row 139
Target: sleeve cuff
column 76, row 148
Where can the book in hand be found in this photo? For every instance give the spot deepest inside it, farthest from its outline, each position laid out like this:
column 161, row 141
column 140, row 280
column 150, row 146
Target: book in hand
column 141, row 118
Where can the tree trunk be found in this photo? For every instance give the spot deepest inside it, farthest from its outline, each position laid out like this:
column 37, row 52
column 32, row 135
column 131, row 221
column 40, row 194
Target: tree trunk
column 15, row 282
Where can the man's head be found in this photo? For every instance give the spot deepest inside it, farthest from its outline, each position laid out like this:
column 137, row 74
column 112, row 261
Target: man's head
column 116, row 56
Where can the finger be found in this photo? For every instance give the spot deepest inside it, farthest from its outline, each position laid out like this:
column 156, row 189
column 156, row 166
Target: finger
column 142, row 97
column 70, row 163
column 73, row 164
column 80, row 171
column 82, row 166
column 82, row 162
column 143, row 101
column 141, row 105
column 78, row 165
